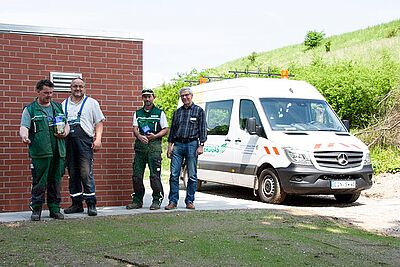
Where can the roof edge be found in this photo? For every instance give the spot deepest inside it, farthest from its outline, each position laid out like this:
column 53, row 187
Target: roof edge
column 66, row 32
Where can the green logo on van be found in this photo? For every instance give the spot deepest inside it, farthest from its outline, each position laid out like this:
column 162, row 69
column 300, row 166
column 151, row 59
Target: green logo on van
column 215, row 149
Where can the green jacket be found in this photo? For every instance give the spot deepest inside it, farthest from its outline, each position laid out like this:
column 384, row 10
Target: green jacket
column 41, row 133
column 150, row 119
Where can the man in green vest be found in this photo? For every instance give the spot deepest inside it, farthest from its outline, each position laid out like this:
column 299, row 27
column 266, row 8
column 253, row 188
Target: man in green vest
column 43, row 128
column 149, row 126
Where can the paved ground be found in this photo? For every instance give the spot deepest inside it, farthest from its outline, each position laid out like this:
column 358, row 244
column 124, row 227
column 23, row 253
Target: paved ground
column 378, row 215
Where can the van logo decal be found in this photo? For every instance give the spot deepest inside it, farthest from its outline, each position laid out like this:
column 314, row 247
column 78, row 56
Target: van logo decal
column 330, row 145
column 275, row 149
column 216, row 149
column 342, row 159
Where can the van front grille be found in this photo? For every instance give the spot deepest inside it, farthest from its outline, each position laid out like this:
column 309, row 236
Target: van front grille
column 338, row 159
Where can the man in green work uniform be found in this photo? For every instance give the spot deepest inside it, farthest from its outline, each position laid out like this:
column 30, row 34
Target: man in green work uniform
column 43, row 128
column 149, row 126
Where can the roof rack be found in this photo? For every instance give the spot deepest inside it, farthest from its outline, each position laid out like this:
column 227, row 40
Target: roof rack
column 206, row 79
column 192, row 82
column 258, row 72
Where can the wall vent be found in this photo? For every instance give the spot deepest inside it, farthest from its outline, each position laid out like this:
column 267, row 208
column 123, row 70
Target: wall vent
column 62, row 80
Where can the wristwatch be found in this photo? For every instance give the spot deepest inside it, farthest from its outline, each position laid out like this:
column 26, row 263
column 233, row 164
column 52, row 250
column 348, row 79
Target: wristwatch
column 201, row 144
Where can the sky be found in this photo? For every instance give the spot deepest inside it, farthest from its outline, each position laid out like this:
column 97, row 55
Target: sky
column 181, row 35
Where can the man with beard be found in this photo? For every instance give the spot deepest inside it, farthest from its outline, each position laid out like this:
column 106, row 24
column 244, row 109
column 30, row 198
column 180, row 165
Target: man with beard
column 149, row 126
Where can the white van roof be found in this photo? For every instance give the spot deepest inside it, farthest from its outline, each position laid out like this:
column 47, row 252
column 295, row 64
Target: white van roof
column 257, row 87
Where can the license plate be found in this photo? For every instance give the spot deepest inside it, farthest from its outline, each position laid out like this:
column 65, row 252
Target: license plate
column 335, row 184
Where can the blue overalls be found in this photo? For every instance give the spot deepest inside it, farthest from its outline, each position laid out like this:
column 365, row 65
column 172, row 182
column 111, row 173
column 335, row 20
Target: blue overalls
column 80, row 161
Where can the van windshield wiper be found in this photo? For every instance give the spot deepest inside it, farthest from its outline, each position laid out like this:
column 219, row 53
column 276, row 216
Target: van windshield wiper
column 328, row 130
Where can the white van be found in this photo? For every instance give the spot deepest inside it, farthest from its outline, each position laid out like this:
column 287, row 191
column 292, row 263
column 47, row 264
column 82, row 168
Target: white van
column 279, row 137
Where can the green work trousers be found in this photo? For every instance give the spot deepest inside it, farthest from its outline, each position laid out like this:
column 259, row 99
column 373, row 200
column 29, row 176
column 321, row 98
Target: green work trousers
column 151, row 157
column 46, row 175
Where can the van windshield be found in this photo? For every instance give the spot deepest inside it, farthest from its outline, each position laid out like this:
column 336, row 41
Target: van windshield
column 288, row 114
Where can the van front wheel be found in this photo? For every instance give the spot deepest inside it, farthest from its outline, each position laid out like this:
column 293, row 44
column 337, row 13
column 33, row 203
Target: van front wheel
column 269, row 188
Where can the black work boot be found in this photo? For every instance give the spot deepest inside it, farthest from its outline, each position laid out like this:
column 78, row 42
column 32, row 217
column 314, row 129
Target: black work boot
column 91, row 211
column 36, row 214
column 74, row 208
column 57, row 215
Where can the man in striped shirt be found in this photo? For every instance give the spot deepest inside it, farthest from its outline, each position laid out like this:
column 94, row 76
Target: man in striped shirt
column 185, row 142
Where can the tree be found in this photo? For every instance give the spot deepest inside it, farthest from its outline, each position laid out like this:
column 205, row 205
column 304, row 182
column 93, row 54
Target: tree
column 313, row 39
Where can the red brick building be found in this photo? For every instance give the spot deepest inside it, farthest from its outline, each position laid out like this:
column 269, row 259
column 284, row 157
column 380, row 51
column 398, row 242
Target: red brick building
column 113, row 68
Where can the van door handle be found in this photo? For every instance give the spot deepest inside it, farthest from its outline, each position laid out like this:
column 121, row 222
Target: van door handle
column 227, row 140
column 238, row 140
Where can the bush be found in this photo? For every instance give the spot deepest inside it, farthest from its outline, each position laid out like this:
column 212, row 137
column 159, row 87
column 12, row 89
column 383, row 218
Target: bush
column 352, row 89
column 385, row 159
column 313, row 39
column 167, row 95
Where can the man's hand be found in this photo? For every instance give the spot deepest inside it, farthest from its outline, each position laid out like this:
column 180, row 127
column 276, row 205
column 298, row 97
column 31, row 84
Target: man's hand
column 24, row 134
column 26, row 140
column 143, row 139
column 96, row 144
column 200, row 150
column 169, row 150
column 151, row 136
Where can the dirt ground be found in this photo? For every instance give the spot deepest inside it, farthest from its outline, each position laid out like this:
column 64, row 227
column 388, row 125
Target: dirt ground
column 377, row 209
column 386, row 186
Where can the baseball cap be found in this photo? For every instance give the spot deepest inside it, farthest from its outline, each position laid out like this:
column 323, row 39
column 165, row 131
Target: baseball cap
column 147, row 92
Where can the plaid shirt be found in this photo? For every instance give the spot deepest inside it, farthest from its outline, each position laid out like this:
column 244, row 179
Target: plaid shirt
column 188, row 123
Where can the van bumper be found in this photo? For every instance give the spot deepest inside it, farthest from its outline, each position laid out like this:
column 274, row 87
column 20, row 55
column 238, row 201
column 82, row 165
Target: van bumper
column 308, row 180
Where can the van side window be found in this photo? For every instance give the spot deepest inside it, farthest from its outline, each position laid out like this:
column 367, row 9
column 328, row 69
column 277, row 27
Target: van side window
column 248, row 110
column 218, row 116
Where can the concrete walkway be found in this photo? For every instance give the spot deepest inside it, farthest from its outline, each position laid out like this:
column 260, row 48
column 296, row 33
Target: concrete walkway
column 203, row 202
column 377, row 215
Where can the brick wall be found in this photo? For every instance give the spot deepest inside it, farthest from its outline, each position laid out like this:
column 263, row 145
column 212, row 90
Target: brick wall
column 113, row 70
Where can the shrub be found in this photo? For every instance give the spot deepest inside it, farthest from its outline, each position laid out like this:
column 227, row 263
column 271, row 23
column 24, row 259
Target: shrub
column 352, row 89
column 328, row 46
column 313, row 39
column 167, row 96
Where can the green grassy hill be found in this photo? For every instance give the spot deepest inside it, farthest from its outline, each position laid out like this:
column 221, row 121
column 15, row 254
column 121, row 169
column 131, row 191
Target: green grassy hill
column 365, row 46
column 359, row 76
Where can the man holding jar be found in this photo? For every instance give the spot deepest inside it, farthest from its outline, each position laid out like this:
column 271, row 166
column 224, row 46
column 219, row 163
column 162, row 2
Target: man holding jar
column 42, row 129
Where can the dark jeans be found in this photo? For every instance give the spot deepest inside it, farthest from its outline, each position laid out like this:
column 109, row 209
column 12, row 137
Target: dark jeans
column 180, row 152
column 80, row 166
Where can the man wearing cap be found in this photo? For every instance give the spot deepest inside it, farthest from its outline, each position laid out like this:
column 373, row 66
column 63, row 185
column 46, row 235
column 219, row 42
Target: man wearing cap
column 149, row 126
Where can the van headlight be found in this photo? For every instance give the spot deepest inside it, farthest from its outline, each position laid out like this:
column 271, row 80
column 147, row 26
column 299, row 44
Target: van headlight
column 298, row 156
column 367, row 160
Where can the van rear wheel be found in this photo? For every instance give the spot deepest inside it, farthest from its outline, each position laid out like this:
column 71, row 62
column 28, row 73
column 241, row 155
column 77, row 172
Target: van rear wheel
column 347, row 198
column 269, row 188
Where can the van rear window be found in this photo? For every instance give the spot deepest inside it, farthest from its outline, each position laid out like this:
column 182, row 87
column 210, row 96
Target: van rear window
column 218, row 116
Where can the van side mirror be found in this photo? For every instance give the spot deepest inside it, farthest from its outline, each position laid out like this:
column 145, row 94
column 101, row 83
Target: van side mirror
column 346, row 124
column 251, row 125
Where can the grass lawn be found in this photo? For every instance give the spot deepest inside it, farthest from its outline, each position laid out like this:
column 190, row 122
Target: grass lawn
column 199, row 238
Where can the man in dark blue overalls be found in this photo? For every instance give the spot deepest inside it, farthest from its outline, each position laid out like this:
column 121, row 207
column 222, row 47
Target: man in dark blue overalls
column 86, row 122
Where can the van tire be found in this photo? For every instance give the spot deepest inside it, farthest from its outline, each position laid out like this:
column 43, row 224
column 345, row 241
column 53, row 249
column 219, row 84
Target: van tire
column 347, row 198
column 199, row 184
column 269, row 188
